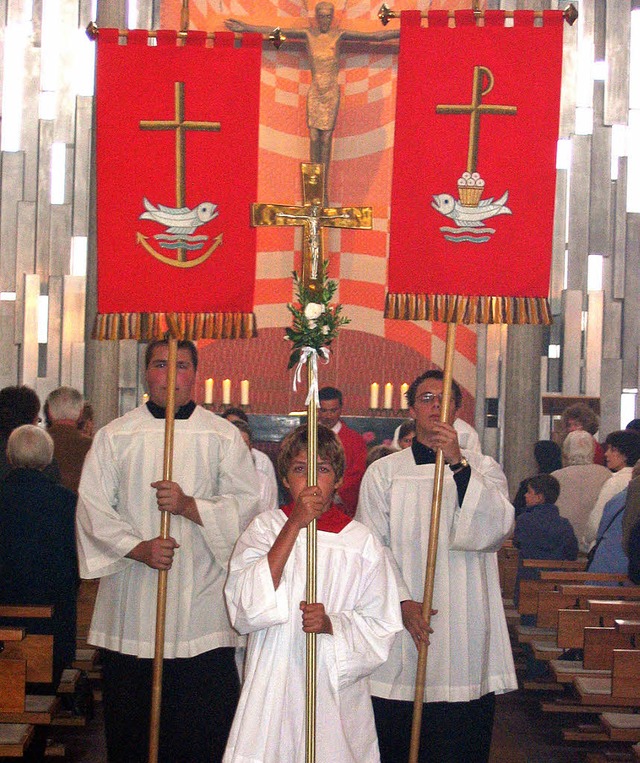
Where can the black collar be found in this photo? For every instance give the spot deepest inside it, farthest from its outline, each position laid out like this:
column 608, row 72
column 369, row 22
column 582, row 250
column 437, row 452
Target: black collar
column 422, row 454
column 183, row 412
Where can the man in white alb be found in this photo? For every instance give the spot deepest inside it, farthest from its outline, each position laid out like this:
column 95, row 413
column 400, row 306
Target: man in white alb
column 212, row 498
column 469, row 658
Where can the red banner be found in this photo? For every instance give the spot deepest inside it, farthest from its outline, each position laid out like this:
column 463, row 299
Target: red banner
column 474, row 161
column 177, row 168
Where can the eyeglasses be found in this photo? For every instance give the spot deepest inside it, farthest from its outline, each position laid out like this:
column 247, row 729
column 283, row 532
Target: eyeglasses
column 430, row 397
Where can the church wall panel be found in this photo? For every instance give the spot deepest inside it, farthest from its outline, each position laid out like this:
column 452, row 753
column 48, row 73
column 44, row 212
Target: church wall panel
column 12, row 180
column 616, row 104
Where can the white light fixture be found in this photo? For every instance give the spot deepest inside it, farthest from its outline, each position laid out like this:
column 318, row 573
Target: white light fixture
column 553, row 351
column 43, row 319
column 563, row 154
column 594, row 272
column 7, row 296
column 58, row 172
column 50, row 45
column 78, row 256
column 584, row 120
column 633, row 164
column 600, row 71
column 84, row 65
column 627, row 406
column 132, row 14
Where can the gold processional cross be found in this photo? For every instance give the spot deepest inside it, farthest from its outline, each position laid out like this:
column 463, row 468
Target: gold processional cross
column 476, row 109
column 312, row 216
column 180, row 125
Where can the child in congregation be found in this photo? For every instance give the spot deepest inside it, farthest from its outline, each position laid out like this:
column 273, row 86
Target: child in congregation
column 541, row 533
column 356, row 619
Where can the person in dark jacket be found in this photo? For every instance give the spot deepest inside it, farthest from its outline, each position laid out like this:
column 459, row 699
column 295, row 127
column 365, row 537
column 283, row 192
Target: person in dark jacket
column 541, row 533
column 38, row 560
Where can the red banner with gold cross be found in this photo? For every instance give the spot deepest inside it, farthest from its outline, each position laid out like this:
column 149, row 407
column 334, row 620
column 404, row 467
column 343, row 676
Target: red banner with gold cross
column 474, row 167
column 177, row 169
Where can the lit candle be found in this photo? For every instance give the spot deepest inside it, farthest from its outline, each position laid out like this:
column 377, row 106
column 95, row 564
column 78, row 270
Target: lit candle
column 373, row 400
column 388, row 396
column 244, row 392
column 226, row 391
column 208, row 391
column 404, row 388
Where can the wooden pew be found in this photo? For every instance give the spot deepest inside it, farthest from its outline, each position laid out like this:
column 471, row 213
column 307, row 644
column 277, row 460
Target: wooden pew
column 572, row 595
column 28, row 660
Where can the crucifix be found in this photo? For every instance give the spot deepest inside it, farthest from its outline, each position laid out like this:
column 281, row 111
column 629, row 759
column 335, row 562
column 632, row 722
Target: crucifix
column 180, row 125
column 476, row 108
column 312, row 216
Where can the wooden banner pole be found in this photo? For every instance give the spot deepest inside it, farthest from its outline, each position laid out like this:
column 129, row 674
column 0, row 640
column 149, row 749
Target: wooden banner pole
column 312, row 547
column 165, row 524
column 432, row 549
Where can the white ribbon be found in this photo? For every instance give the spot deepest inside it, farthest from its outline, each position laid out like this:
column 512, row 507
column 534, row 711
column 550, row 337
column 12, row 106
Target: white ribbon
column 310, row 355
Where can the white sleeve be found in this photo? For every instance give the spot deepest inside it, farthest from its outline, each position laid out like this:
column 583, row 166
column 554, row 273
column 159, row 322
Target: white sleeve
column 373, row 512
column 486, row 516
column 104, row 537
column 362, row 637
column 225, row 515
column 252, row 601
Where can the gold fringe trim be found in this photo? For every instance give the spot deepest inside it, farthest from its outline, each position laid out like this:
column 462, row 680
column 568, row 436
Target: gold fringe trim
column 194, row 326
column 453, row 308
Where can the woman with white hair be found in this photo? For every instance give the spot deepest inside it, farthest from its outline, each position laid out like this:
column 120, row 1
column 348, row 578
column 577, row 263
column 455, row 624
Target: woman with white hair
column 38, row 562
column 580, row 481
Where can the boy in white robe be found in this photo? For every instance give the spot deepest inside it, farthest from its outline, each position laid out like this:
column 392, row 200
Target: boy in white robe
column 356, row 619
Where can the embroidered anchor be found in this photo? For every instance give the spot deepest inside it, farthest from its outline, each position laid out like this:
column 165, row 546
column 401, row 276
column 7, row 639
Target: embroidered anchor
column 180, row 221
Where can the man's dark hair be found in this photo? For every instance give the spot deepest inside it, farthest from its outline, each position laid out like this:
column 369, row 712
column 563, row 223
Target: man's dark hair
column 406, row 428
column 330, row 393
column 433, row 374
column 243, row 427
column 548, row 455
column 18, row 406
column 235, row 412
column 627, row 442
column 545, row 485
column 183, row 344
column 634, row 425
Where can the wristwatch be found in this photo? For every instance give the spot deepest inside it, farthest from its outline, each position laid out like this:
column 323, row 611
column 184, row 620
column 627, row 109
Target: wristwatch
column 462, row 464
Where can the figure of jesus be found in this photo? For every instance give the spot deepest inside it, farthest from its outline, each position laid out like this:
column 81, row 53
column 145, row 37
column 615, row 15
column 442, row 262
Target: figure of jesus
column 322, row 42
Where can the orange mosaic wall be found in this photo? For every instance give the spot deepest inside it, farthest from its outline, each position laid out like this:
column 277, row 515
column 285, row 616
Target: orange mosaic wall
column 371, row 348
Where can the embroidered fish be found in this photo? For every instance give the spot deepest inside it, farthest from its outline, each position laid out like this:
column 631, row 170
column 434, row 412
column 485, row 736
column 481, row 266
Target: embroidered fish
column 181, row 221
column 470, row 217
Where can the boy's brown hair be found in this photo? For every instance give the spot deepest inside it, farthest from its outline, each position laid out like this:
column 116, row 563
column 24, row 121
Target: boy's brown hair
column 329, row 449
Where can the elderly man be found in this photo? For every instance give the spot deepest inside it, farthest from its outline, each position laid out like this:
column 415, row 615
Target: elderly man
column 355, row 450
column 580, row 480
column 38, row 563
column 212, row 498
column 63, row 408
column 469, row 655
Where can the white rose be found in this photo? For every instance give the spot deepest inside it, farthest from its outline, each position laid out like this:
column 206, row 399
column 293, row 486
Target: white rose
column 313, row 310
column 325, row 330
column 312, row 324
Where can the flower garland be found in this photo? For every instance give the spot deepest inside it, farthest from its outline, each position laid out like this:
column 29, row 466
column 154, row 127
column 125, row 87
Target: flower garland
column 315, row 321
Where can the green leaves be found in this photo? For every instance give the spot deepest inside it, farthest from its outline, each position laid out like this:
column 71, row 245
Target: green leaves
column 315, row 322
